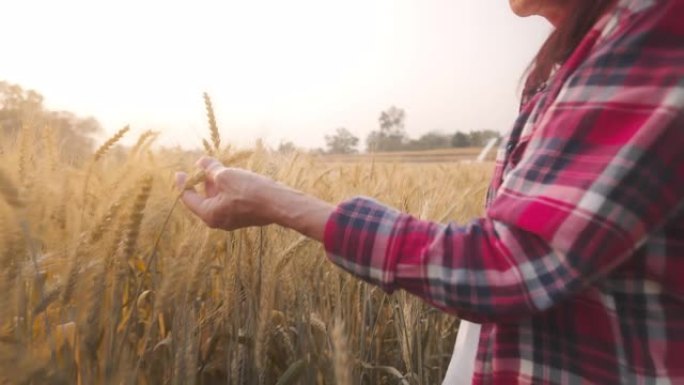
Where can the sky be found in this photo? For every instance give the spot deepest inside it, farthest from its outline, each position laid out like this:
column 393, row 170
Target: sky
column 278, row 70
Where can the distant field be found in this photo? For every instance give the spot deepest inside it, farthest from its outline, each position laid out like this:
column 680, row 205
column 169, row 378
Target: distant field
column 430, row 156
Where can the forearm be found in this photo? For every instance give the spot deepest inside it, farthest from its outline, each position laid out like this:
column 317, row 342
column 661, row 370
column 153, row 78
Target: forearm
column 298, row 211
column 484, row 271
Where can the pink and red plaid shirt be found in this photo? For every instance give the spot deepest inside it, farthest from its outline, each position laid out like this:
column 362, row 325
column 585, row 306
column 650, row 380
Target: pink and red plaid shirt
column 577, row 269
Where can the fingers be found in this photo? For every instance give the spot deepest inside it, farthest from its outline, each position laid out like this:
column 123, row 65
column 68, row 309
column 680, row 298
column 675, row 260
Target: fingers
column 190, row 197
column 197, row 203
column 211, row 166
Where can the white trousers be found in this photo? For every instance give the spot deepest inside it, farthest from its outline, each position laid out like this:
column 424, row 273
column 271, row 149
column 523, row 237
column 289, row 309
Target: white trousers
column 460, row 371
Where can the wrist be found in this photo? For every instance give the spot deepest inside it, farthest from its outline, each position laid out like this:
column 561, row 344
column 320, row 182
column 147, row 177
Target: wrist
column 295, row 210
column 265, row 203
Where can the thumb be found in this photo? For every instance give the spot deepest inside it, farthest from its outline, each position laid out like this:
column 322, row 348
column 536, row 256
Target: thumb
column 195, row 203
column 180, row 179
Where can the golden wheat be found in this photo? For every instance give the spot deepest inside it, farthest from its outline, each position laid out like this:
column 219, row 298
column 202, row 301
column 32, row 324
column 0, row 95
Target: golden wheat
column 131, row 288
column 342, row 361
column 9, row 191
column 109, row 143
column 213, row 127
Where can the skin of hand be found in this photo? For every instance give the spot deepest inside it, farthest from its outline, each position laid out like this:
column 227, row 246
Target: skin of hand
column 236, row 198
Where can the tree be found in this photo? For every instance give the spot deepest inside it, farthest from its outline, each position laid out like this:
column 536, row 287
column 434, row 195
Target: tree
column 391, row 136
column 429, row 141
column 72, row 134
column 375, row 141
column 481, row 137
column 286, row 147
column 392, row 120
column 460, row 140
column 16, row 106
column 341, row 142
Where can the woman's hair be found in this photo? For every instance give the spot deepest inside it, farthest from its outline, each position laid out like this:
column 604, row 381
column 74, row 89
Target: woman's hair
column 562, row 42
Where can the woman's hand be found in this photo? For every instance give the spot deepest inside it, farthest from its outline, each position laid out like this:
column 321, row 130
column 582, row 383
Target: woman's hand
column 233, row 198
column 236, row 198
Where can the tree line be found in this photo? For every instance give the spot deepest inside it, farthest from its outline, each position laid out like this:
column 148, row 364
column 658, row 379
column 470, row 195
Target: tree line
column 74, row 134
column 391, row 136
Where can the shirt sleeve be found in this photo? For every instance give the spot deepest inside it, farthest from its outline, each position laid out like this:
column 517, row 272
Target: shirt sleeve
column 603, row 171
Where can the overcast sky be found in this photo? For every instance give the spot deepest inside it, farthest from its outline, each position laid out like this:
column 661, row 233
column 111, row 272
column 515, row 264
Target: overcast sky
column 276, row 69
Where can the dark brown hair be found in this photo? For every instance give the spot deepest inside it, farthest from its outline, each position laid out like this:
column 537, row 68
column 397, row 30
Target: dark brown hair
column 562, row 42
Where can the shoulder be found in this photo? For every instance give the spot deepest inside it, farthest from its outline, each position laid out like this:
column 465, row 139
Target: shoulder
column 638, row 59
column 630, row 17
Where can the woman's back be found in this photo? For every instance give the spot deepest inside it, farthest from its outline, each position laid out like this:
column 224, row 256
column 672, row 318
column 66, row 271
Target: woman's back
column 596, row 157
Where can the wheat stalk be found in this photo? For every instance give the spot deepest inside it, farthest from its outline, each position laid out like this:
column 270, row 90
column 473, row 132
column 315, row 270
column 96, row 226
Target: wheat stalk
column 9, row 191
column 126, row 251
column 342, row 361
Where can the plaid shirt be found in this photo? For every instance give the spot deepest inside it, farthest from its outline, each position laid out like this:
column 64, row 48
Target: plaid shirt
column 577, row 269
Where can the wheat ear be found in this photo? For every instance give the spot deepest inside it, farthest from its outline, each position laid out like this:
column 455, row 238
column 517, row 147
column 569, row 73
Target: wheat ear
column 95, row 235
column 106, row 146
column 135, row 219
column 142, row 139
column 213, row 128
column 207, row 147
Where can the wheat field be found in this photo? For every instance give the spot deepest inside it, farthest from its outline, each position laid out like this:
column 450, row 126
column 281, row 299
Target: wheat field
column 105, row 278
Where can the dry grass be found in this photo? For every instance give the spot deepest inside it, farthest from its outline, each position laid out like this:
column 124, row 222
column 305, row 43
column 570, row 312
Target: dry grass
column 105, row 280
column 438, row 156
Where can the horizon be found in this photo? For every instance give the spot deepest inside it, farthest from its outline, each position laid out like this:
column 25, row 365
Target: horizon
column 281, row 72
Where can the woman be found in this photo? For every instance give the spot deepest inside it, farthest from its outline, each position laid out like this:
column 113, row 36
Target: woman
column 575, row 271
